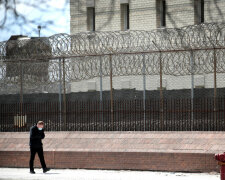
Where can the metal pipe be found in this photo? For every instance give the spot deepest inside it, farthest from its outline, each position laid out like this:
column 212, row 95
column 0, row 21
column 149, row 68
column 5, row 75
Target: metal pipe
column 111, row 89
column 101, row 97
column 144, row 88
column 161, row 92
column 100, row 78
column 60, row 95
column 192, row 89
column 215, row 82
column 21, row 89
column 64, row 94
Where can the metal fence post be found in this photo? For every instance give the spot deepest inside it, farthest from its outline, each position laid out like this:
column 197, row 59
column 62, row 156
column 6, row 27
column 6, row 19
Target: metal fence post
column 192, row 89
column 161, row 92
column 100, row 72
column 64, row 94
column 60, row 95
column 215, row 83
column 101, row 97
column 111, row 89
column 21, row 88
column 144, row 88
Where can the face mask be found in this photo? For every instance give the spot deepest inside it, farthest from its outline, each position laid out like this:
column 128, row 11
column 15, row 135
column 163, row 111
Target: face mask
column 40, row 128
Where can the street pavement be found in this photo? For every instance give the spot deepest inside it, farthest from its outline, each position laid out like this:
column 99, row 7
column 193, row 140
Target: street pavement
column 83, row 174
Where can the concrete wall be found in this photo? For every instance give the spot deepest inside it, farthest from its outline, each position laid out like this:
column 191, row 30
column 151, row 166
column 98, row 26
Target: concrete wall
column 152, row 82
column 142, row 14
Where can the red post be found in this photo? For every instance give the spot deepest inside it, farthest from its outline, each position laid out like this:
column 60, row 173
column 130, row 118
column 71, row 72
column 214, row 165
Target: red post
column 221, row 161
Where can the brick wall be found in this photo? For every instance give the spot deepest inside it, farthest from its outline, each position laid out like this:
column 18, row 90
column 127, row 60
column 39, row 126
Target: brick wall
column 161, row 151
column 185, row 162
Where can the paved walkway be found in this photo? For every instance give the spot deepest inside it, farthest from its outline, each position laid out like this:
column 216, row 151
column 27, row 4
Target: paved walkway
column 82, row 174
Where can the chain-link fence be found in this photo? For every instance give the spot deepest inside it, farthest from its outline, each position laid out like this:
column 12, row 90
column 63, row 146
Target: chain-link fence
column 165, row 79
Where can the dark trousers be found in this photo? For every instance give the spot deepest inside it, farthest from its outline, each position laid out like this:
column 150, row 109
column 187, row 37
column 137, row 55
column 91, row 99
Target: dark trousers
column 41, row 157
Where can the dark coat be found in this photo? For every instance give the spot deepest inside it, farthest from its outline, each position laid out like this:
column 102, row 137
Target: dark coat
column 36, row 136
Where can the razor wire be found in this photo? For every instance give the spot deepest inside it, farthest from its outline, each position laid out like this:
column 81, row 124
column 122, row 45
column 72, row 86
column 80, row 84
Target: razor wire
column 36, row 61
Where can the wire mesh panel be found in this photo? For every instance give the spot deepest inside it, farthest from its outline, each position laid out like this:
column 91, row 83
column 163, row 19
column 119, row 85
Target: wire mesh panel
column 164, row 79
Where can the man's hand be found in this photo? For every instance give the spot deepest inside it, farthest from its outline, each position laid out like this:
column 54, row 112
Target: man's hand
column 42, row 134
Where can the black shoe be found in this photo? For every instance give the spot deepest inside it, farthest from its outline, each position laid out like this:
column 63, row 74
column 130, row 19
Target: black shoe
column 32, row 171
column 46, row 169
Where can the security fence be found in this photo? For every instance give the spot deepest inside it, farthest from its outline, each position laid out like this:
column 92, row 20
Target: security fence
column 155, row 63
column 128, row 115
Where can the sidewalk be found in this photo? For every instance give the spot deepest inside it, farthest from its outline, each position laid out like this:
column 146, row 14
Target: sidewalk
column 82, row 174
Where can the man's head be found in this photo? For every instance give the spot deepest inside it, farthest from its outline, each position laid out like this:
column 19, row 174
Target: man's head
column 40, row 125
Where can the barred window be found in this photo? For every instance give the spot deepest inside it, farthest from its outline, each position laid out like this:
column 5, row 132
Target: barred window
column 125, row 17
column 91, row 19
column 199, row 11
column 161, row 13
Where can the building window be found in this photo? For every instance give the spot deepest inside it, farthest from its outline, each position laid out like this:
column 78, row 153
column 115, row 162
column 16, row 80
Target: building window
column 91, row 19
column 199, row 11
column 125, row 17
column 161, row 13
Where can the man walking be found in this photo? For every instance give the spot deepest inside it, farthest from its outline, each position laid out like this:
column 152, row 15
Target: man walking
column 36, row 135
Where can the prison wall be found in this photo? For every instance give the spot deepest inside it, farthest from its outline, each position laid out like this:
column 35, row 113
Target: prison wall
column 143, row 14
